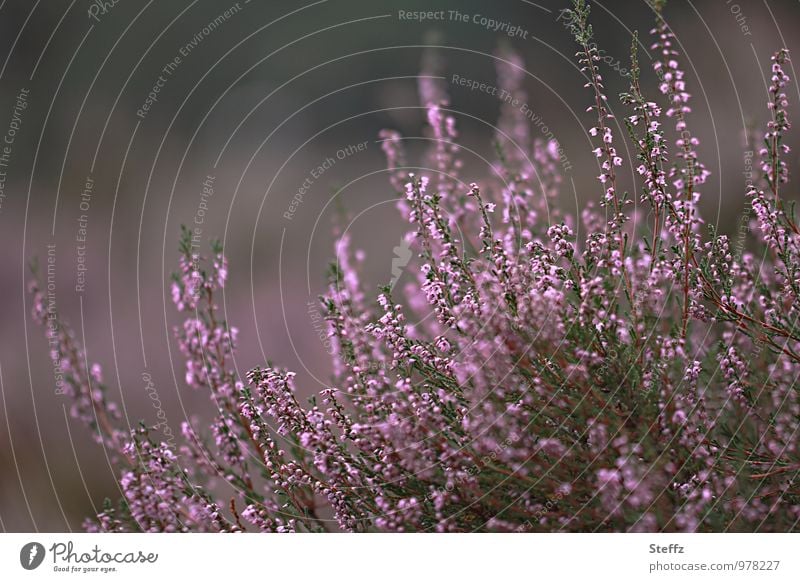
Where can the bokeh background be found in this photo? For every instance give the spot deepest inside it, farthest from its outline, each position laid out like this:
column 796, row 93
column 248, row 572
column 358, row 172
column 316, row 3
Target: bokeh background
column 260, row 99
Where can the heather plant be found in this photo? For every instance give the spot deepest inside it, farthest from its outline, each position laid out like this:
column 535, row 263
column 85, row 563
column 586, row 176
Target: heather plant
column 625, row 369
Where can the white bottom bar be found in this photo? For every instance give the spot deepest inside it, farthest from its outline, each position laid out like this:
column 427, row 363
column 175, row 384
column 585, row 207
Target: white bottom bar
column 402, row 557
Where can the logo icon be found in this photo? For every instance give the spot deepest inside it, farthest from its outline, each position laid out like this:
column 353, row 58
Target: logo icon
column 31, row 555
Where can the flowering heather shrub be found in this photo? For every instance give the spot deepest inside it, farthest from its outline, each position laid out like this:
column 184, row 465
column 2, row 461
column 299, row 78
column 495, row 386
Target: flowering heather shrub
column 625, row 370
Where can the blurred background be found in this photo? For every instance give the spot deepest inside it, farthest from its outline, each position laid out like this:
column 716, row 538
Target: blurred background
column 121, row 117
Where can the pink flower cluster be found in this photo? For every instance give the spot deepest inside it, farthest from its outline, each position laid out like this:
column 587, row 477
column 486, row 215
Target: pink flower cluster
column 539, row 372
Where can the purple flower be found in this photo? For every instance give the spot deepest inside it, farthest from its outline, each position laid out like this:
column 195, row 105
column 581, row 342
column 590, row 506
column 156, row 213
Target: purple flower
column 612, row 371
